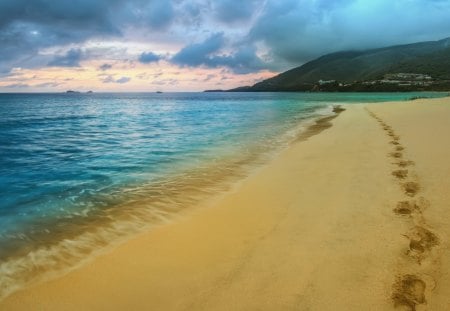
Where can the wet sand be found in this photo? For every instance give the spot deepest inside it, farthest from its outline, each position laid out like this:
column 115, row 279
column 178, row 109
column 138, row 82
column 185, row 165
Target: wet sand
column 354, row 218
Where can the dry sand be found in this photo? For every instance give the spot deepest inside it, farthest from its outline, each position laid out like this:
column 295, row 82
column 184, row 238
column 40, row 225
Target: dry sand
column 355, row 218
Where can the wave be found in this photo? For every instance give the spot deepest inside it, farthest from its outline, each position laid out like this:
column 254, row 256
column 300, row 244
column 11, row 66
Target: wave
column 79, row 237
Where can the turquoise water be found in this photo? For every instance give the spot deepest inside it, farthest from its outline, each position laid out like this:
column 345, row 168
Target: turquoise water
column 70, row 162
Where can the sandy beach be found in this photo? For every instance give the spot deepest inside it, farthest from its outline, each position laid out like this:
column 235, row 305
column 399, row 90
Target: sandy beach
column 353, row 218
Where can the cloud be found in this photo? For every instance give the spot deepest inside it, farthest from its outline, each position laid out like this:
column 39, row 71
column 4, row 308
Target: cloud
column 123, row 80
column 111, row 79
column 254, row 34
column 28, row 26
column 48, row 84
column 228, row 11
column 108, row 79
column 17, row 85
column 165, row 82
column 209, row 77
column 149, row 57
column 105, row 67
column 80, row 13
column 197, row 54
column 243, row 61
column 207, row 53
column 297, row 31
column 160, row 13
column 71, row 59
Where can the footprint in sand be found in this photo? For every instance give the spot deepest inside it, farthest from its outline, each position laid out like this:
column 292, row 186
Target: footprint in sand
column 411, row 206
column 405, row 163
column 408, row 292
column 406, row 208
column 421, row 241
column 401, row 174
column 411, row 188
column 396, row 155
column 394, row 137
column 409, row 289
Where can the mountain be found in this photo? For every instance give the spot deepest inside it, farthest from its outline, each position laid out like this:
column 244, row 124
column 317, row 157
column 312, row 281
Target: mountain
column 354, row 67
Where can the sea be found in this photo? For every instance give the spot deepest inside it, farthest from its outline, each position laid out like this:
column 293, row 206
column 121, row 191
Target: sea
column 82, row 172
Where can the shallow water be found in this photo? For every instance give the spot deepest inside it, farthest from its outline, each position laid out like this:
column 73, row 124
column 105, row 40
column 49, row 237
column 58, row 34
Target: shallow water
column 78, row 171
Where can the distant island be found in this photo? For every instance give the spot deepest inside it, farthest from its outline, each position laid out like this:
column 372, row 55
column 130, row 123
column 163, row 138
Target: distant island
column 423, row 66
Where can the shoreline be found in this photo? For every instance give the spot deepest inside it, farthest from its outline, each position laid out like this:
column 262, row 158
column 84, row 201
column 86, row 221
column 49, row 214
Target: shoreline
column 156, row 206
column 313, row 229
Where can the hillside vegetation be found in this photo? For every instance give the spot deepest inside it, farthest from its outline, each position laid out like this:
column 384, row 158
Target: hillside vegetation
column 355, row 67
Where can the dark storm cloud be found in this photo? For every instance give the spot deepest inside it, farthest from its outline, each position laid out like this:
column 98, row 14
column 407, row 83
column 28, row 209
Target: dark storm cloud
column 207, row 53
column 78, row 16
column 229, row 11
column 149, row 57
column 159, row 14
column 77, row 12
column 290, row 32
column 197, row 54
column 26, row 26
column 243, row 61
column 71, row 59
column 297, row 31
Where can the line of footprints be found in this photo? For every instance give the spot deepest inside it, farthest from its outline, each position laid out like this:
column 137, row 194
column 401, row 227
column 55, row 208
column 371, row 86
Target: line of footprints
column 408, row 290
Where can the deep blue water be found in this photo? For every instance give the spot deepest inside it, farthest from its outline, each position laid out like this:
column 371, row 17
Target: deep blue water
column 67, row 155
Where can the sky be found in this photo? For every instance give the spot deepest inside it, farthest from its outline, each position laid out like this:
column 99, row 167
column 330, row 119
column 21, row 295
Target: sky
column 193, row 45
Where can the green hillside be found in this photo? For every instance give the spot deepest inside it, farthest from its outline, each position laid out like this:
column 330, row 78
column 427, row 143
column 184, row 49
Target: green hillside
column 431, row 58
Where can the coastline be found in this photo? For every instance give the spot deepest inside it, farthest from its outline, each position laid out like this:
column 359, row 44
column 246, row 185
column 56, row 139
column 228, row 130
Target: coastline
column 313, row 229
column 154, row 204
